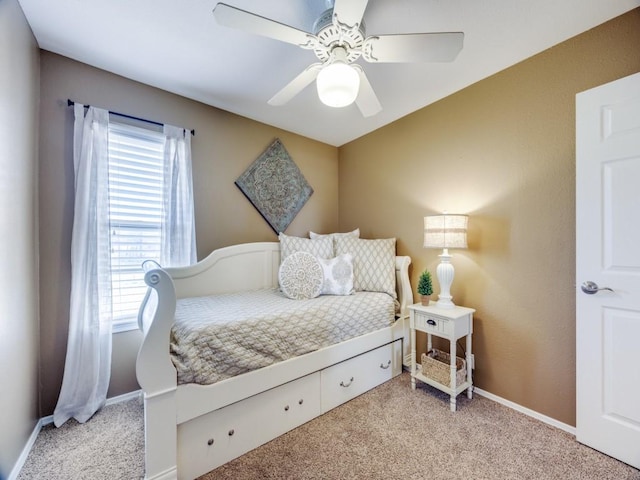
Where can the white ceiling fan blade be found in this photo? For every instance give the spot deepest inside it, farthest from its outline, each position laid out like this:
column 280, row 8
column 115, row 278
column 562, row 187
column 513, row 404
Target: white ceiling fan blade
column 350, row 12
column 296, row 85
column 367, row 101
column 413, row 47
column 249, row 22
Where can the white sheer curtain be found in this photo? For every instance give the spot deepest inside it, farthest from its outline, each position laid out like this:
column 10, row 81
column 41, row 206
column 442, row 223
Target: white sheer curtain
column 88, row 362
column 178, row 226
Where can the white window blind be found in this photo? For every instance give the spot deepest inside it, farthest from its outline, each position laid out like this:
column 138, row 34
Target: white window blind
column 135, row 214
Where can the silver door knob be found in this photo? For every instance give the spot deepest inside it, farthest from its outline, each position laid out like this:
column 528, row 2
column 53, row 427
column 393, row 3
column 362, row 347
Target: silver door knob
column 590, row 287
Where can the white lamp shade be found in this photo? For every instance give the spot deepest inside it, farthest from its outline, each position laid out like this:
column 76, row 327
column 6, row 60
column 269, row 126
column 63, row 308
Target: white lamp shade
column 445, row 231
column 338, row 84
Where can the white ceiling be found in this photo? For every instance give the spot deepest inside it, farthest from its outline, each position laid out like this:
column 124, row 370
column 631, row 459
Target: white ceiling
column 177, row 46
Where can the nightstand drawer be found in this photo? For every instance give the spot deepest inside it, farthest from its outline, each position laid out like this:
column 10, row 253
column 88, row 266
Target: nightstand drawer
column 426, row 322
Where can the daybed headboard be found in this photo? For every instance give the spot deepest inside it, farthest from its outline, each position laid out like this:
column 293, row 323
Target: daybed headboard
column 247, row 266
column 251, row 266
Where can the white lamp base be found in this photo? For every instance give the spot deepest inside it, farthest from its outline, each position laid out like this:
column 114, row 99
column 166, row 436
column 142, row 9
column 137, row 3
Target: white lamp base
column 445, row 273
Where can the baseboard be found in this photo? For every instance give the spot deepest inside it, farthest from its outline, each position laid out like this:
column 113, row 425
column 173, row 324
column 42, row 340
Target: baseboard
column 527, row 411
column 125, row 397
column 13, row 475
column 49, row 420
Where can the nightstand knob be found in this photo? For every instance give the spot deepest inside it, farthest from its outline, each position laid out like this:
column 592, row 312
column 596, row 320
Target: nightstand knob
column 431, row 322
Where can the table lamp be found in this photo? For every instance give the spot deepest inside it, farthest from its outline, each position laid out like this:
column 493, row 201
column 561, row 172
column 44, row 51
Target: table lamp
column 445, row 231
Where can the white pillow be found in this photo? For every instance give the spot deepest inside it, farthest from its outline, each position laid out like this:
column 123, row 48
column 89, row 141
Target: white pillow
column 374, row 263
column 320, row 247
column 355, row 233
column 338, row 275
column 301, row 276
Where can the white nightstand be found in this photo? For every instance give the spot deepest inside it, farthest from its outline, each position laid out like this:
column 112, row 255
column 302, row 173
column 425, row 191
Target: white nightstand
column 449, row 323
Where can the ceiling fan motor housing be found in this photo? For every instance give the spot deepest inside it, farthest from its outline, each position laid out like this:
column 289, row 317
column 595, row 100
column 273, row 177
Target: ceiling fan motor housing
column 332, row 34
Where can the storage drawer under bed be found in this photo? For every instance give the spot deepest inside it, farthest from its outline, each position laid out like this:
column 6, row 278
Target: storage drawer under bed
column 346, row 380
column 215, row 438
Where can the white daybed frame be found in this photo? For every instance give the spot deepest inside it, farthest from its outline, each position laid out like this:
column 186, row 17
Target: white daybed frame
column 185, row 417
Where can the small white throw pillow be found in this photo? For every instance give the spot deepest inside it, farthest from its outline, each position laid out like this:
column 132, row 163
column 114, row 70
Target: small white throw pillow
column 338, row 275
column 301, row 276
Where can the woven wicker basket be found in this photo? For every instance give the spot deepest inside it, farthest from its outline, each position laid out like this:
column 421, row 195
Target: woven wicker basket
column 436, row 365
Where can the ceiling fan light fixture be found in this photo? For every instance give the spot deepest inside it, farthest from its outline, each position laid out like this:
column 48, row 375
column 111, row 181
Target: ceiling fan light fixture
column 338, row 84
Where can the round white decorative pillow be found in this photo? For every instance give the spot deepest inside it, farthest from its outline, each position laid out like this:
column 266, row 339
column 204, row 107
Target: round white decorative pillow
column 301, row 276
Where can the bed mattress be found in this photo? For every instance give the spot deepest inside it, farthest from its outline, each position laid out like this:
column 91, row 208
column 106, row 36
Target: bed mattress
column 222, row 336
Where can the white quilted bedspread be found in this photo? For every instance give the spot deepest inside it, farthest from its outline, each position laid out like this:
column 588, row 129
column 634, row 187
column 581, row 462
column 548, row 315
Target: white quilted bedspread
column 218, row 337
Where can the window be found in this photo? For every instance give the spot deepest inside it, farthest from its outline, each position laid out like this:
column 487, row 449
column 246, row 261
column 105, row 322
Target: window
column 135, row 215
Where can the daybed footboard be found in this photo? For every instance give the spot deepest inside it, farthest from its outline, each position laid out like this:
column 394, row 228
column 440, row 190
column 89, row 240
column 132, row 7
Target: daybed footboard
column 196, row 418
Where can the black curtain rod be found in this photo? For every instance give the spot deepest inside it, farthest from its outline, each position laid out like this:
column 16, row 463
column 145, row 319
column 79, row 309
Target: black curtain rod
column 70, row 103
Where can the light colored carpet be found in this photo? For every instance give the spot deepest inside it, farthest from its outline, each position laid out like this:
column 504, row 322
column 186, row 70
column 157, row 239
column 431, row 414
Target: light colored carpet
column 390, row 432
column 109, row 446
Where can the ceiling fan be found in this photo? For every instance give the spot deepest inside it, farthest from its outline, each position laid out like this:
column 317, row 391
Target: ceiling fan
column 338, row 40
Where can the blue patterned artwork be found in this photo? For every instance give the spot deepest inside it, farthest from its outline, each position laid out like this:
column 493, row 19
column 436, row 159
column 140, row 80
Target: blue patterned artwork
column 275, row 186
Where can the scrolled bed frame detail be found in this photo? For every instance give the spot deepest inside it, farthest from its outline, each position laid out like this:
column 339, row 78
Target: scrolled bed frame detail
column 236, row 268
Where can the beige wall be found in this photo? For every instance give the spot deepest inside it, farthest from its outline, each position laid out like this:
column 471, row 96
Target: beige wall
column 224, row 146
column 18, row 234
column 503, row 152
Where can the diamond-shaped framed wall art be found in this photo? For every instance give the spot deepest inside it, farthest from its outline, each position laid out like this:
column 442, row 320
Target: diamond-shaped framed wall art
column 275, row 186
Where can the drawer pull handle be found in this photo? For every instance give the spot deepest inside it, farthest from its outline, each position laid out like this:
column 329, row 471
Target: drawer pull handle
column 210, row 442
column 431, row 322
column 345, row 385
column 384, row 367
column 231, row 432
column 286, row 408
column 300, row 401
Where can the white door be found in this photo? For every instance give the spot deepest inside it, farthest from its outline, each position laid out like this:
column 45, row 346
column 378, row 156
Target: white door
column 608, row 254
